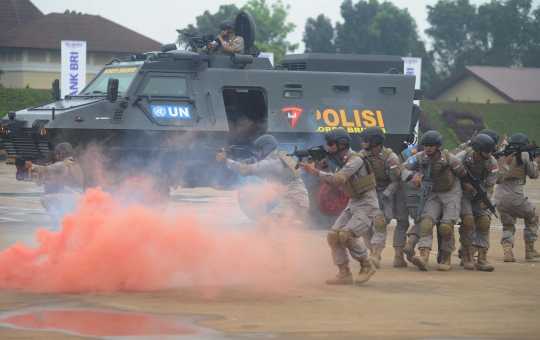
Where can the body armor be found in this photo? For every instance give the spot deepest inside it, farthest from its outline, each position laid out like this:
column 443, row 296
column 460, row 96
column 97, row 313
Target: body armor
column 441, row 175
column 380, row 170
column 354, row 188
column 289, row 173
column 513, row 171
column 75, row 177
column 480, row 170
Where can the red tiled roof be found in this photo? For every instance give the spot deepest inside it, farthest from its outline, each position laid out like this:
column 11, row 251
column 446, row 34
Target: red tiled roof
column 100, row 34
column 516, row 84
column 14, row 13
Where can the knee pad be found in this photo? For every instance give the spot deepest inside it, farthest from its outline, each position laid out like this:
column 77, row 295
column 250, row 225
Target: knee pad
column 533, row 222
column 347, row 239
column 333, row 240
column 447, row 230
column 426, row 226
column 379, row 223
column 509, row 228
column 467, row 223
column 483, row 223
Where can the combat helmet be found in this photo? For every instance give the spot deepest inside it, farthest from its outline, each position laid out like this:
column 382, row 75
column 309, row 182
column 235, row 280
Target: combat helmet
column 432, row 137
column 64, row 148
column 265, row 142
column 518, row 138
column 494, row 135
column 338, row 135
column 483, row 143
column 374, row 134
column 226, row 24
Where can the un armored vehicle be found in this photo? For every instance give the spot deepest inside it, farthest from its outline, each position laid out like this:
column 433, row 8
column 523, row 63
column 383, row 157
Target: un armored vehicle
column 162, row 114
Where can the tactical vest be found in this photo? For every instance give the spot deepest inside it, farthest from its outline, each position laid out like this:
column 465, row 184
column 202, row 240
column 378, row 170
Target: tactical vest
column 441, row 175
column 480, row 170
column 379, row 168
column 513, row 171
column 287, row 175
column 355, row 188
column 75, row 177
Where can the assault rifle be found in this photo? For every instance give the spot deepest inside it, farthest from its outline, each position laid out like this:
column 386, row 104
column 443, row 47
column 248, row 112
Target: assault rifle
column 423, row 193
column 532, row 149
column 317, row 153
column 481, row 193
column 237, row 152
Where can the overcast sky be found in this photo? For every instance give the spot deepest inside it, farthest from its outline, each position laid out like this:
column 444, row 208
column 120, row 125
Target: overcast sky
column 158, row 19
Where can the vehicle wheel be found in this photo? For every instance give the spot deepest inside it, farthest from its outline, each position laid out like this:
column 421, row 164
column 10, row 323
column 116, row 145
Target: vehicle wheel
column 325, row 203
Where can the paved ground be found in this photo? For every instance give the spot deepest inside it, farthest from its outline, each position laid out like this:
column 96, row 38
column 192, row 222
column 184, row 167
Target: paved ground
column 397, row 303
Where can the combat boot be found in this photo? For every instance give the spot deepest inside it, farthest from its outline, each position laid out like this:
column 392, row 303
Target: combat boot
column 508, row 254
column 528, row 250
column 460, row 255
column 482, row 263
column 375, row 256
column 366, row 270
column 343, row 278
column 473, row 251
column 444, row 266
column 399, row 260
column 422, row 260
column 534, row 251
column 409, row 247
column 466, row 257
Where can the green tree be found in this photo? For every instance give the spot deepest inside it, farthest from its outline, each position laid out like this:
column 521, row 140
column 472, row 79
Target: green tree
column 1, row 72
column 272, row 27
column 209, row 23
column 319, row 35
column 371, row 27
column 499, row 33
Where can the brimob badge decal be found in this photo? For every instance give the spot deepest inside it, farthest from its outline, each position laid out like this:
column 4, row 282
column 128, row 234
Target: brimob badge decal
column 292, row 114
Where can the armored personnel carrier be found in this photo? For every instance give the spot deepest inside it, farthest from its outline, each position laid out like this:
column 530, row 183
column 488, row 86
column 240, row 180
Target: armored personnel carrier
column 162, row 114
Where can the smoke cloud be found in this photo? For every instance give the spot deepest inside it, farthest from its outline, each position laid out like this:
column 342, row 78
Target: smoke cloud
column 108, row 246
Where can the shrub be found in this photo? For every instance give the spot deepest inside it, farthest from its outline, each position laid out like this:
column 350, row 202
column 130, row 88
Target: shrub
column 464, row 123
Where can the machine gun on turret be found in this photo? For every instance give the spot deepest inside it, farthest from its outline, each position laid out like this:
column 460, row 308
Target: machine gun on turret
column 195, row 40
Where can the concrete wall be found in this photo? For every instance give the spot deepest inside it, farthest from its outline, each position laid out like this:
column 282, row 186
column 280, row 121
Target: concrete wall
column 470, row 90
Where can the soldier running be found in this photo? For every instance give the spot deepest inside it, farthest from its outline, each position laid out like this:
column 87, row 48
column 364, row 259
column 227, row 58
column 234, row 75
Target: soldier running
column 444, row 170
column 356, row 177
column 512, row 203
column 386, row 166
column 475, row 216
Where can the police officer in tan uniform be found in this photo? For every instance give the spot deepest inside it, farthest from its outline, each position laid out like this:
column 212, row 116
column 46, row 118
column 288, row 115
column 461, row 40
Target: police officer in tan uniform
column 279, row 170
column 386, row 167
column 445, row 171
column 227, row 41
column 405, row 240
column 70, row 181
column 475, row 215
column 512, row 203
column 356, row 177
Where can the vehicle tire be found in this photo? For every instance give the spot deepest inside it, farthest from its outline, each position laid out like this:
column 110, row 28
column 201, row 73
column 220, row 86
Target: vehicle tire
column 325, row 203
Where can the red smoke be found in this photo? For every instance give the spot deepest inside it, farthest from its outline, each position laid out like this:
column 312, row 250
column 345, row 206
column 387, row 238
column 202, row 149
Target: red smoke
column 104, row 246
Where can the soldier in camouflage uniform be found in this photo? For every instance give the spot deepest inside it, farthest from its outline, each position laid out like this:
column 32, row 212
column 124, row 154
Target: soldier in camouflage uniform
column 68, row 176
column 445, row 171
column 512, row 203
column 280, row 172
column 356, row 177
column 475, row 215
column 386, row 166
